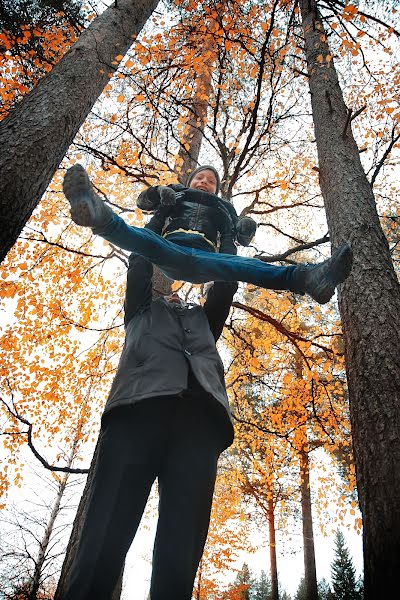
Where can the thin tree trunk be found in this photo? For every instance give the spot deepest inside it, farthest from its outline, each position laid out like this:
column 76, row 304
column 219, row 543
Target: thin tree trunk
column 310, row 574
column 272, row 550
column 36, row 580
column 35, row 136
column 37, row 575
column 369, row 303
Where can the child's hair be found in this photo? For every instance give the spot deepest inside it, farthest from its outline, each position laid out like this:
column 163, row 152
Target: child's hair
column 205, row 168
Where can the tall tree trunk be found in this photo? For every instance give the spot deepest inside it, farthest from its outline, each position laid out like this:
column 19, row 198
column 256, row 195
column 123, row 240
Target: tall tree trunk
column 369, row 303
column 190, row 146
column 272, row 550
column 35, row 136
column 310, row 574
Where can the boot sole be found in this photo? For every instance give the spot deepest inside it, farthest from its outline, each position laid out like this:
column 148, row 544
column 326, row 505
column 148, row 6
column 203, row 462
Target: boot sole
column 78, row 191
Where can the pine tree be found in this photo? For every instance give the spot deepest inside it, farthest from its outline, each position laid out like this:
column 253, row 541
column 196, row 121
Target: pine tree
column 324, row 590
column 243, row 584
column 262, row 588
column 301, row 593
column 343, row 572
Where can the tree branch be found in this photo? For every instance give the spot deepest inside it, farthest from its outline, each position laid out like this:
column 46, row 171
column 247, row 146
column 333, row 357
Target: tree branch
column 40, row 458
column 385, row 155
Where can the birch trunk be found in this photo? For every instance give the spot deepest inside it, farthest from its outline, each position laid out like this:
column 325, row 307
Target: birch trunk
column 35, row 136
column 44, row 544
column 369, row 303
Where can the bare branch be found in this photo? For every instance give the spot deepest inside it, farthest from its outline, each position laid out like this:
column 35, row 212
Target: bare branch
column 13, row 411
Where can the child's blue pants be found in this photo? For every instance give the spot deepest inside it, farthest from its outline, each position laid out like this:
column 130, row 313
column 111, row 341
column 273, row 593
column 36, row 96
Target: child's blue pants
column 192, row 265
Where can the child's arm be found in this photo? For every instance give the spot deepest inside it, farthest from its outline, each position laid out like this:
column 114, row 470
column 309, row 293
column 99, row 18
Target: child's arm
column 227, row 237
column 157, row 221
column 244, row 227
column 154, row 196
column 227, row 228
column 158, row 198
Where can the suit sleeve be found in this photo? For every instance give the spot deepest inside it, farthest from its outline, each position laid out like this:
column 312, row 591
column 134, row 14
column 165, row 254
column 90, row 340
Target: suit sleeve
column 138, row 294
column 218, row 304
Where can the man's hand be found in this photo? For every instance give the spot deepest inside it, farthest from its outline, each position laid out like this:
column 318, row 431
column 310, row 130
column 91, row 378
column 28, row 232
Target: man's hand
column 167, row 195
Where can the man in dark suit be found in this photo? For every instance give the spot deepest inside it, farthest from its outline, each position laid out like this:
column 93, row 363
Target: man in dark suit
column 167, row 418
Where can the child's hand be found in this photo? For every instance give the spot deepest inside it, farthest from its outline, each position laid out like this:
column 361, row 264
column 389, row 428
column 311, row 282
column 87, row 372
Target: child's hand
column 245, row 230
column 167, row 195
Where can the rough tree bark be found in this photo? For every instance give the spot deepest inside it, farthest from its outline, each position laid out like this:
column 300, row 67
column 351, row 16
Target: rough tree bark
column 190, row 146
column 310, row 572
column 35, row 136
column 369, row 303
column 272, row 549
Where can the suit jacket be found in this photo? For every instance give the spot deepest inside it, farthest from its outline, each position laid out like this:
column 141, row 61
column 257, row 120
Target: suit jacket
column 170, row 349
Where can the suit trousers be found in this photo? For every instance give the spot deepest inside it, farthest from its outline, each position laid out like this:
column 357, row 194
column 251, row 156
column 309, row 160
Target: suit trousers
column 177, row 440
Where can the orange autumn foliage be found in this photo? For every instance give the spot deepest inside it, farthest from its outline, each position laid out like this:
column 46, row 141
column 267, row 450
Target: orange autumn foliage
column 64, row 290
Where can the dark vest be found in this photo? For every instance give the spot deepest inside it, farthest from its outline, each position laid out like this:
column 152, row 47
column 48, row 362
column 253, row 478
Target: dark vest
column 162, row 344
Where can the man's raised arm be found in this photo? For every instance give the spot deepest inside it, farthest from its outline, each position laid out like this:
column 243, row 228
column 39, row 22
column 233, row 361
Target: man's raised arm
column 138, row 286
column 218, row 304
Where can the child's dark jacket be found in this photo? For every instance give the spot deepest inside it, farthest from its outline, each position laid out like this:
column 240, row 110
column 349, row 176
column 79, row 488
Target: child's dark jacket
column 194, row 211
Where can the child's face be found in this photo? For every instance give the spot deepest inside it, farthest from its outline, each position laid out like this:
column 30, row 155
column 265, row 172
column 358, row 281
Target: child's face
column 205, row 181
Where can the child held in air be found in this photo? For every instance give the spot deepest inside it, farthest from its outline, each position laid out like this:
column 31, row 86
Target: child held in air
column 188, row 226
column 194, row 215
